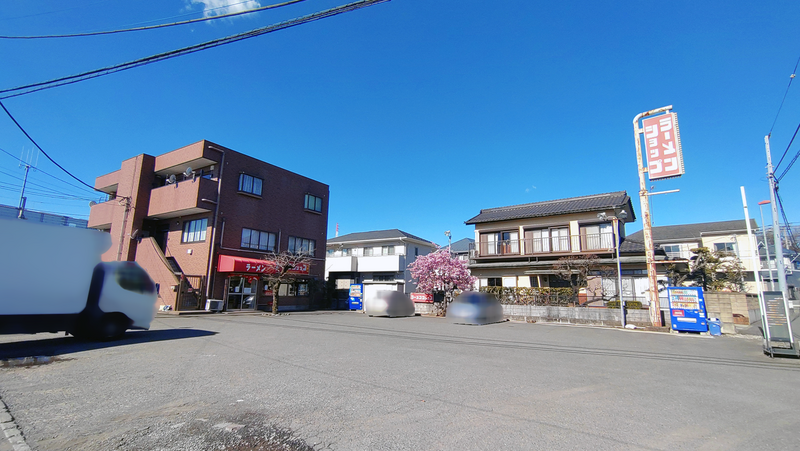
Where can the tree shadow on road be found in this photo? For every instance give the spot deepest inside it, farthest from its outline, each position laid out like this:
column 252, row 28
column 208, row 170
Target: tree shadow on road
column 68, row 344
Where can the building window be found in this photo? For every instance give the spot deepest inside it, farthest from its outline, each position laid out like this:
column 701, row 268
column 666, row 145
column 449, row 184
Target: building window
column 534, row 281
column 256, row 239
column 194, row 231
column 302, row 245
column 313, row 203
column 250, row 184
column 559, row 238
column 347, row 252
column 387, row 250
column 672, row 250
column 369, row 252
column 330, row 252
column 384, row 277
column 725, row 247
column 416, row 252
column 597, row 236
column 494, row 281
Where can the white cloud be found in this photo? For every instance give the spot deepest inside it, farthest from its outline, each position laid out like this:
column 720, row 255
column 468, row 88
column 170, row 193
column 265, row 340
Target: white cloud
column 220, row 7
column 528, row 190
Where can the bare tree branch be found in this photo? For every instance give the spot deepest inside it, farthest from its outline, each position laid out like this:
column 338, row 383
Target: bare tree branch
column 287, row 267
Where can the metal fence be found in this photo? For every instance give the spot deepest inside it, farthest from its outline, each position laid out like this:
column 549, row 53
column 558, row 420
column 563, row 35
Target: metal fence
column 191, row 293
column 560, row 297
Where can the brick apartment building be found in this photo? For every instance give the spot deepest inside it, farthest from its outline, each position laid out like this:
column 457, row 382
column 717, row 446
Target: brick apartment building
column 201, row 220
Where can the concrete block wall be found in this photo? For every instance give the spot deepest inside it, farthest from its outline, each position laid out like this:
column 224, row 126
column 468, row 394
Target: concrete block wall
column 423, row 308
column 575, row 315
column 720, row 305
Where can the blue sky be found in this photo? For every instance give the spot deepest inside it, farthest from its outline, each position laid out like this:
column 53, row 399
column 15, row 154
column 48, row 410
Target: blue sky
column 419, row 113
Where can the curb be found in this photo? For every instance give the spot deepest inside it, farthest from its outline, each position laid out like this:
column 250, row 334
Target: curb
column 11, row 430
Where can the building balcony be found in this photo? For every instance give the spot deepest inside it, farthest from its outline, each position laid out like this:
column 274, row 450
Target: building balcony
column 345, row 263
column 183, row 198
column 108, row 183
column 101, row 215
column 591, row 243
column 381, row 263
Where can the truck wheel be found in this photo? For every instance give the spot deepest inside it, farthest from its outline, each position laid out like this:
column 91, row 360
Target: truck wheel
column 112, row 327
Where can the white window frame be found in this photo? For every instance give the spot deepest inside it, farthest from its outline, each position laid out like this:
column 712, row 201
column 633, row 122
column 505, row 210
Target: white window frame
column 194, row 231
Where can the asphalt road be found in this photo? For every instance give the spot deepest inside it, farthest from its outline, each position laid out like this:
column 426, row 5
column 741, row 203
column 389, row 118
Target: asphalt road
column 343, row 381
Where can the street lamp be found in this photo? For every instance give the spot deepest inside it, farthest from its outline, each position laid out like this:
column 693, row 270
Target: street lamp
column 621, row 216
column 766, row 244
column 448, row 235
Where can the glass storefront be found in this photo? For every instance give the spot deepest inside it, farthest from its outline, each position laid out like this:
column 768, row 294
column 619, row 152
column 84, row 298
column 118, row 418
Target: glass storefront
column 242, row 292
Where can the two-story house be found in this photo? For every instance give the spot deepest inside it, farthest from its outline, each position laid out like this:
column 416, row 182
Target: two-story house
column 202, row 219
column 460, row 249
column 518, row 245
column 378, row 259
column 725, row 236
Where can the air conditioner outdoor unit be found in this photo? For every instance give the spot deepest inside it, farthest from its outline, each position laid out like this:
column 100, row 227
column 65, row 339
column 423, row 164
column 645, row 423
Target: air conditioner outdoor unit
column 214, row 305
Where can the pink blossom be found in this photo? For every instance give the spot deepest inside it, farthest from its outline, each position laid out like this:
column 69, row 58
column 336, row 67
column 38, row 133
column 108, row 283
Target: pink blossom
column 439, row 271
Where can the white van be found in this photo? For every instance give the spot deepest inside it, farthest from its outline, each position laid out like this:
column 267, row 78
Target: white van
column 52, row 280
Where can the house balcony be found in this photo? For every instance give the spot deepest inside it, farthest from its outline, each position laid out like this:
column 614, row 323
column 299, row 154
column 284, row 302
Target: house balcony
column 590, row 243
column 101, row 215
column 186, row 197
column 381, row 263
column 346, row 263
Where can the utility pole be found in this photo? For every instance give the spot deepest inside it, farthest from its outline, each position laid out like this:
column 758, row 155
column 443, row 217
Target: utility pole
column 766, row 244
column 22, row 198
column 647, row 233
column 776, row 225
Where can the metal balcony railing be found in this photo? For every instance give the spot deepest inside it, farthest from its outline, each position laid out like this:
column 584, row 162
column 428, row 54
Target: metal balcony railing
column 599, row 242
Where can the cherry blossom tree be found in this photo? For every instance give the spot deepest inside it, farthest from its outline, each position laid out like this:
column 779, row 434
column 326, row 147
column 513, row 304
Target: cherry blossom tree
column 441, row 272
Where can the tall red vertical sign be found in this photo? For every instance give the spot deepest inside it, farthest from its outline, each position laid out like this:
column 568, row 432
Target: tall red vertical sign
column 662, row 142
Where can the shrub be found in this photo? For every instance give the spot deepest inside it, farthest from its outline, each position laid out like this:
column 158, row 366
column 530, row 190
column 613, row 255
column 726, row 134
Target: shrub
column 630, row 305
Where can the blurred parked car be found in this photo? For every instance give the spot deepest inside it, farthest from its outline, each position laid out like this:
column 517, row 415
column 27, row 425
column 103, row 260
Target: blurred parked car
column 475, row 308
column 389, row 303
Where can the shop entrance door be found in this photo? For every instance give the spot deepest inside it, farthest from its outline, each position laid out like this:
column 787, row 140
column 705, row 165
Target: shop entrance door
column 242, row 293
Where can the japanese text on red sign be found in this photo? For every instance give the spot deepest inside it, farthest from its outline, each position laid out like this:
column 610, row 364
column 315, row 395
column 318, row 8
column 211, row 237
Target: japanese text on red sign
column 663, row 146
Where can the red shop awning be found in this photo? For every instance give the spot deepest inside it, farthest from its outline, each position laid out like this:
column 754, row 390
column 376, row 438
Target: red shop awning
column 229, row 263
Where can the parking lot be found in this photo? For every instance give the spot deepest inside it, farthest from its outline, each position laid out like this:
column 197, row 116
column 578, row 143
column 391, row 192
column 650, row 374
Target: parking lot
column 343, row 381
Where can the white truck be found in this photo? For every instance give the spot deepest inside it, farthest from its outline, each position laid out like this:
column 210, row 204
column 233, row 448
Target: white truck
column 52, row 280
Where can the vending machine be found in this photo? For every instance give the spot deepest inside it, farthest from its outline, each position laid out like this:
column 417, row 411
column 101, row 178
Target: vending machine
column 687, row 309
column 356, row 296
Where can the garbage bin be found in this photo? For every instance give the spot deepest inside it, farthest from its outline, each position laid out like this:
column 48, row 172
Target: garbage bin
column 714, row 326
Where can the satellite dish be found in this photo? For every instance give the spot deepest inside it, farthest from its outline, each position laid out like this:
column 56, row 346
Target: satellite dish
column 171, row 179
column 188, row 172
column 92, row 203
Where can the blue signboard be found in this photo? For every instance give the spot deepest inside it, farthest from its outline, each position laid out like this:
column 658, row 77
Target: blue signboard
column 687, row 309
column 356, row 296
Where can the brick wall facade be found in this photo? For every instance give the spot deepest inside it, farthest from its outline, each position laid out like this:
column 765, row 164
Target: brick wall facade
column 279, row 210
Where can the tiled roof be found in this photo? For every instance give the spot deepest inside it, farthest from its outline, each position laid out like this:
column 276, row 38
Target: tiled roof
column 461, row 246
column 595, row 202
column 693, row 231
column 375, row 235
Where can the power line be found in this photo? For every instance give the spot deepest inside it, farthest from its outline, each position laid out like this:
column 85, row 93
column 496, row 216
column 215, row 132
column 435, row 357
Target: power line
column 42, row 150
column 787, row 148
column 791, row 163
column 42, row 186
column 153, row 27
column 12, row 187
column 786, row 220
column 27, row 89
column 791, row 78
column 45, row 173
